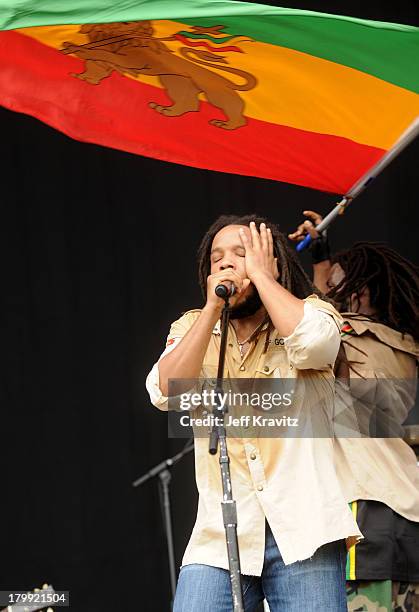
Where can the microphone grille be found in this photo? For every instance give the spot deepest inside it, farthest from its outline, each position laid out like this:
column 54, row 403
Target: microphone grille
column 221, row 291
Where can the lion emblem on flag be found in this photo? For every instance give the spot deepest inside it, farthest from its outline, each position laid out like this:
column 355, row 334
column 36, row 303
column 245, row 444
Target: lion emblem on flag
column 130, row 48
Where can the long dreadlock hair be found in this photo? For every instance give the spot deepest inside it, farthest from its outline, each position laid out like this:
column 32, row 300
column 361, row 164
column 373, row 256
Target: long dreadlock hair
column 291, row 274
column 392, row 280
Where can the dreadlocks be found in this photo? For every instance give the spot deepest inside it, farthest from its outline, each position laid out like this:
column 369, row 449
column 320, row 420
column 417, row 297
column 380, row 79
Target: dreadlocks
column 291, row 274
column 392, row 280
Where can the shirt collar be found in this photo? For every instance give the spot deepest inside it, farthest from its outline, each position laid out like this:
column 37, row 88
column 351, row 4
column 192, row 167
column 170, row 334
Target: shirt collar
column 384, row 333
column 217, row 328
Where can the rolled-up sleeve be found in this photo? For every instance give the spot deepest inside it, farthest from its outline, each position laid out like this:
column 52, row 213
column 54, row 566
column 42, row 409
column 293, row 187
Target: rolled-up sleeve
column 314, row 344
column 177, row 331
column 152, row 382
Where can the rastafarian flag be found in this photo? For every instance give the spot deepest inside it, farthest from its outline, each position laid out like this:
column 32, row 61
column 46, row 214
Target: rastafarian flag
column 290, row 95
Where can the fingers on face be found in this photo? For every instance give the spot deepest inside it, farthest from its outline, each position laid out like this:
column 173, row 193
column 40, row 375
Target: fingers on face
column 260, row 238
column 270, row 242
column 228, row 275
column 264, row 237
column 276, row 269
column 255, row 235
column 245, row 284
column 244, row 238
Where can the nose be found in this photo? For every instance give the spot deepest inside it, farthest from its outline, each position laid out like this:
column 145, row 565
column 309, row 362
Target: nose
column 224, row 265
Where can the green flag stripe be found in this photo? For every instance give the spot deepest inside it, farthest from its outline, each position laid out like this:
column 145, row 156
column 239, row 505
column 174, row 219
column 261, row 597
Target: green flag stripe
column 216, row 41
column 25, row 13
column 387, row 51
column 389, row 54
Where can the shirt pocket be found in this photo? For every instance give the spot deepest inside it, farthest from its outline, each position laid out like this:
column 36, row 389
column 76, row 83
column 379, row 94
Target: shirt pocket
column 209, row 370
column 274, row 365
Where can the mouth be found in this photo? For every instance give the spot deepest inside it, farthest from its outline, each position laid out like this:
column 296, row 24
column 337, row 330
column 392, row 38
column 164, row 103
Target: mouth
column 247, row 305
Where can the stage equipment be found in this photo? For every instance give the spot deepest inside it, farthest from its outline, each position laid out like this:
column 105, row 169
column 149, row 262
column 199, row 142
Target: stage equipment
column 162, row 470
column 218, row 436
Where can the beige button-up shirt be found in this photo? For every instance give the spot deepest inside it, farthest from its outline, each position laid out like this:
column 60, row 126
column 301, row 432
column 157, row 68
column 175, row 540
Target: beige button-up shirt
column 291, row 483
column 381, row 469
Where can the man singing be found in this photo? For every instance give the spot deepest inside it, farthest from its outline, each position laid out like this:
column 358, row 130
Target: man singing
column 292, row 517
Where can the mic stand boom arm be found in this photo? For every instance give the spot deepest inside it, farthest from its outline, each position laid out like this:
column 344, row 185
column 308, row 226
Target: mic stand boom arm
column 162, row 470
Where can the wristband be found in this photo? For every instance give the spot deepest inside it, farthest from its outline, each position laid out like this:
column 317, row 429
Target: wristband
column 319, row 249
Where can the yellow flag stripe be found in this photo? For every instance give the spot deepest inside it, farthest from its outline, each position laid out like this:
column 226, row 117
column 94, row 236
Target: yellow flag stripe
column 294, row 89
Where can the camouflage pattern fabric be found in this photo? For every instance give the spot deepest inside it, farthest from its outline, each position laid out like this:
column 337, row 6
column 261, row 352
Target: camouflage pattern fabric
column 382, row 596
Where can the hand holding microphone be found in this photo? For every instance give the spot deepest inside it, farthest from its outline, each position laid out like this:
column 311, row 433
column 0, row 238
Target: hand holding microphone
column 223, row 284
column 225, row 290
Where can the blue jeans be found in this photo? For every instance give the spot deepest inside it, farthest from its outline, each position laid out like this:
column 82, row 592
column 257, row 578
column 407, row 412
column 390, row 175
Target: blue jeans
column 312, row 585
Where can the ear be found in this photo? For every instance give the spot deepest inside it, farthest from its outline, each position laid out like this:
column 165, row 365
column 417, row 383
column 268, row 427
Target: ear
column 364, row 295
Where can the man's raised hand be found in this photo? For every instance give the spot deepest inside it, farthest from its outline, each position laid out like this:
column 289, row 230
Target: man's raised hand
column 259, row 251
column 307, row 227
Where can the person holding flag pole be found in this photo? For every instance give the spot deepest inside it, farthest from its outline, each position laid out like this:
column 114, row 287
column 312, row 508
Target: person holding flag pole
column 304, row 238
column 377, row 292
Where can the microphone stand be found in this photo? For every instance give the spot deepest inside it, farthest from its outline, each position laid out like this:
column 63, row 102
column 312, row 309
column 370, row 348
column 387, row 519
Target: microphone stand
column 162, row 471
column 218, row 436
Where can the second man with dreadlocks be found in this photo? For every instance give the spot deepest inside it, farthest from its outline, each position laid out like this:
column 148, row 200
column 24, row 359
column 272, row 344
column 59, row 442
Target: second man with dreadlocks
column 294, row 524
column 377, row 291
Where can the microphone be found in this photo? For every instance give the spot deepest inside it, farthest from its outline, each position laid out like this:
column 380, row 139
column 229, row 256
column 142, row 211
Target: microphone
column 227, row 289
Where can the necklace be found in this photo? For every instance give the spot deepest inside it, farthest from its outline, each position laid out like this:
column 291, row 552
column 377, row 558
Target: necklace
column 241, row 344
column 241, row 349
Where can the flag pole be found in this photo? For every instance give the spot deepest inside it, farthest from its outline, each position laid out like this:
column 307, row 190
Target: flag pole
column 406, row 138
